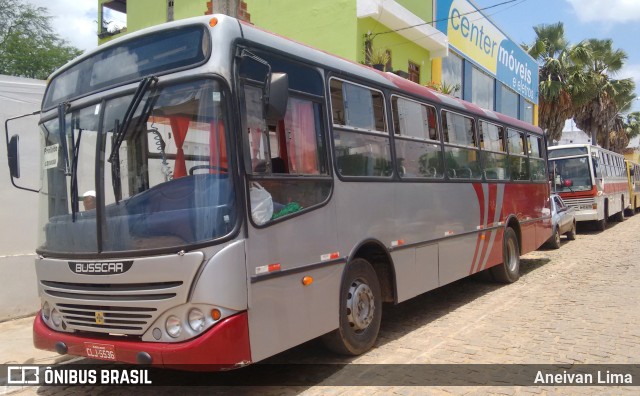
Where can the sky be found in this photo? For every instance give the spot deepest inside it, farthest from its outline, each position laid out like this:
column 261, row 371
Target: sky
column 619, row 20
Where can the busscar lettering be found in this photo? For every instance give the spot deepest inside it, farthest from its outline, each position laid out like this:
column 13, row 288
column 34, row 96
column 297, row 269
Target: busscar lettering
column 99, row 267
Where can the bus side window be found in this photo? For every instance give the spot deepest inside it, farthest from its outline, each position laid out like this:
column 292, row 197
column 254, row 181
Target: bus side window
column 418, row 148
column 536, row 158
column 461, row 154
column 518, row 161
column 494, row 152
column 293, row 146
column 360, row 134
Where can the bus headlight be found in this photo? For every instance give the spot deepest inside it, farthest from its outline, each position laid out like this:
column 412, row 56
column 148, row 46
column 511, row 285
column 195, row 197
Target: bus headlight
column 45, row 312
column 196, row 319
column 184, row 322
column 56, row 317
column 173, row 326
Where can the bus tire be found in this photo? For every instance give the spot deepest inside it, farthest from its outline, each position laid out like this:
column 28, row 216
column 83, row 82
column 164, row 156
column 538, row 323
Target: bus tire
column 571, row 235
column 601, row 225
column 360, row 311
column 619, row 217
column 509, row 270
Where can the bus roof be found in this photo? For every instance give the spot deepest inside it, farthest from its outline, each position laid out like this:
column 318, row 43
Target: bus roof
column 335, row 63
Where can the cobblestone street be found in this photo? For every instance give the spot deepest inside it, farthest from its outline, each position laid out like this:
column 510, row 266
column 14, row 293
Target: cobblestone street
column 576, row 305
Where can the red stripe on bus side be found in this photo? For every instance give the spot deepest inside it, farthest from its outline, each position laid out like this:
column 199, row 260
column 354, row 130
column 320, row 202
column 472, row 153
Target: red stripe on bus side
column 493, row 199
column 480, row 196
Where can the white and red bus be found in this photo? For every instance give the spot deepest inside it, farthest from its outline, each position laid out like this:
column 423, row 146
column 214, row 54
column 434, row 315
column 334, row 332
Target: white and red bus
column 592, row 180
column 216, row 194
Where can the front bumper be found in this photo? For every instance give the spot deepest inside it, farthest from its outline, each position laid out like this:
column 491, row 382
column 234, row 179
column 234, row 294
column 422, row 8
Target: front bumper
column 586, row 215
column 224, row 346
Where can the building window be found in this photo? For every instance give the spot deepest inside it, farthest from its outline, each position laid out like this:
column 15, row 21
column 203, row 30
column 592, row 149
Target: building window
column 170, row 10
column 452, row 72
column 482, row 90
column 527, row 113
column 508, row 102
column 114, row 18
column 414, row 72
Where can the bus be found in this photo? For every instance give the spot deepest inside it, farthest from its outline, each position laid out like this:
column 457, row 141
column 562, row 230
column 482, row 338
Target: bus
column 215, row 194
column 633, row 175
column 592, row 180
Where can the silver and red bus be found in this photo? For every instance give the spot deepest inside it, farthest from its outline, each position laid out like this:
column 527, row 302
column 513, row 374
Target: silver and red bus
column 592, row 180
column 215, row 194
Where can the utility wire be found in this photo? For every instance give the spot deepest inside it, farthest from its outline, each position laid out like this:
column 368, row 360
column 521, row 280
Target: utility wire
column 444, row 19
column 408, row 41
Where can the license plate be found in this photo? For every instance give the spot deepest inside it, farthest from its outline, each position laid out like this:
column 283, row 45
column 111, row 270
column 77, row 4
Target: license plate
column 100, row 351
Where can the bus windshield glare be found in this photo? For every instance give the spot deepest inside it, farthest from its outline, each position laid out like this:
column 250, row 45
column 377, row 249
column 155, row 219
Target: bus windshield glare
column 164, row 184
column 570, row 174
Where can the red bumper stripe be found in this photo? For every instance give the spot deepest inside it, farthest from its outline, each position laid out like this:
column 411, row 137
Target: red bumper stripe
column 224, row 345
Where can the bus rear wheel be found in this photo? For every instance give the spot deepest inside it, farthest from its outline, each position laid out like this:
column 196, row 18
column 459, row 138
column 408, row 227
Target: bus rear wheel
column 601, row 225
column 360, row 311
column 619, row 217
column 509, row 270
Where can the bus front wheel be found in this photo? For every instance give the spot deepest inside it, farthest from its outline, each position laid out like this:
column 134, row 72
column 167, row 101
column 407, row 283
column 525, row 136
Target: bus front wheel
column 360, row 311
column 509, row 270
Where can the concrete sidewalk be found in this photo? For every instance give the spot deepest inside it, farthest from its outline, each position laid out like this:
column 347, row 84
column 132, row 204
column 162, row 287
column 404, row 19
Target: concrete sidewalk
column 16, row 345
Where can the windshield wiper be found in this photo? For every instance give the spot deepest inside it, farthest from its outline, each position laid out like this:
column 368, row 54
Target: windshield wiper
column 120, row 130
column 143, row 87
column 62, row 131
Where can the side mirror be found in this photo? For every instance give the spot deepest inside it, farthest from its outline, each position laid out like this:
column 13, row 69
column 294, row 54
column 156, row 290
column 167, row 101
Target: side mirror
column 277, row 97
column 12, row 156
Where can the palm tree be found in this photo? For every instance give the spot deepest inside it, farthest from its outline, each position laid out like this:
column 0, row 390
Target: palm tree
column 557, row 70
column 625, row 128
column 600, row 97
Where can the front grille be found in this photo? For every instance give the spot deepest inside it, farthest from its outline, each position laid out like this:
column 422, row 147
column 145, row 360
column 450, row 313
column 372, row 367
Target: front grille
column 579, row 203
column 122, row 308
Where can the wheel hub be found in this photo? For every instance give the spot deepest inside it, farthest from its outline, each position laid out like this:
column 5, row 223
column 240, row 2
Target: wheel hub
column 512, row 255
column 360, row 306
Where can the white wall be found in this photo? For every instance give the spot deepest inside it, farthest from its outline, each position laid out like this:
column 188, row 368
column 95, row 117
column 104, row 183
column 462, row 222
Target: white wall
column 18, row 209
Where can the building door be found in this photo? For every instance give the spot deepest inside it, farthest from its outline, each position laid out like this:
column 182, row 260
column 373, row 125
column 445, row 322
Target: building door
column 414, row 72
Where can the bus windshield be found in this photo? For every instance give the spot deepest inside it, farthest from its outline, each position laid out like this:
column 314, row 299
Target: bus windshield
column 158, row 181
column 570, row 174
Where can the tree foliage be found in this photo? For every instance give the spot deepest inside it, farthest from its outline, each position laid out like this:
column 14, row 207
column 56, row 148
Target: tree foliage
column 577, row 81
column 28, row 45
column 602, row 96
column 557, row 72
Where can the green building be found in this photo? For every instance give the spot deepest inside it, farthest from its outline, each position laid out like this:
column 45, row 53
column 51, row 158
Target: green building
column 440, row 41
column 358, row 30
